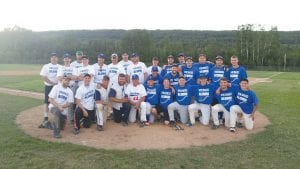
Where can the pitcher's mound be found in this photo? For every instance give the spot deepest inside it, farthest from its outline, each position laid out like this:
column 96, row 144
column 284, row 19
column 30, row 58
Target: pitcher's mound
column 156, row 136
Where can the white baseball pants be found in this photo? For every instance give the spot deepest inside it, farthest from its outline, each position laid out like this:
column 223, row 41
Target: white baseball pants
column 220, row 108
column 132, row 113
column 182, row 110
column 249, row 123
column 205, row 110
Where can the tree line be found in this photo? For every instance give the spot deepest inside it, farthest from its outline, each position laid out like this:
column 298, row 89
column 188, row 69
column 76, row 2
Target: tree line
column 254, row 45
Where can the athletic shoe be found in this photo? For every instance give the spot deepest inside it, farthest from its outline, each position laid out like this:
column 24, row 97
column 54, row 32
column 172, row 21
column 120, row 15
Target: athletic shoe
column 142, row 124
column 239, row 125
column 232, row 129
column 189, row 124
column 124, row 123
column 172, row 123
column 100, row 128
column 146, row 123
column 46, row 124
column 75, row 131
column 56, row 134
column 214, row 126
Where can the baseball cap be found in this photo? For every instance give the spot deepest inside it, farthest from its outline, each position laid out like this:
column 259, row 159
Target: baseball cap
column 150, row 77
column 66, row 55
column 219, row 57
column 202, row 76
column 134, row 55
column 114, row 55
column 180, row 54
column 84, row 57
column 154, row 69
column 174, row 65
column 101, row 55
column 170, row 56
column 79, row 52
column 53, row 54
column 134, row 77
column 85, row 75
column 189, row 58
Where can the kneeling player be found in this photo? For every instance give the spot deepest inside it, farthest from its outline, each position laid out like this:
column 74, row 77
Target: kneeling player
column 152, row 99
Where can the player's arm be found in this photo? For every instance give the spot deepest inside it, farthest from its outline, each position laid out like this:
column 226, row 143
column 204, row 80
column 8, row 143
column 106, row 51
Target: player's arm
column 55, row 104
column 45, row 78
column 78, row 103
column 112, row 97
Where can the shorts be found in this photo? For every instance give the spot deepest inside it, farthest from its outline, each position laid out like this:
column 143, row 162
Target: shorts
column 47, row 90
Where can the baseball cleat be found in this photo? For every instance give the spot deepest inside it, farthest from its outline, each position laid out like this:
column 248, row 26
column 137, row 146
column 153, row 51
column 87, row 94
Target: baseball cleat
column 239, row 125
column 214, row 126
column 142, row 124
column 75, row 131
column 100, row 128
column 189, row 124
column 232, row 129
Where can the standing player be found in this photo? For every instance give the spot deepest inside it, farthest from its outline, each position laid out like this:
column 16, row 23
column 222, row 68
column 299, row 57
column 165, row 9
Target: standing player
column 60, row 98
column 49, row 75
column 218, row 71
column 181, row 59
column 152, row 100
column 137, row 68
column 100, row 68
column 167, row 68
column 85, row 69
column 236, row 73
column 155, row 76
column 125, row 62
column 76, row 64
column 114, row 69
column 203, row 94
column 155, row 63
column 84, row 112
column 137, row 95
column 183, row 95
column 189, row 72
column 102, row 103
column 173, row 76
column 203, row 66
column 247, row 105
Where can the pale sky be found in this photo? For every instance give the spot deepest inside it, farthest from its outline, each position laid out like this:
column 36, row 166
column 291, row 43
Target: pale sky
column 44, row 15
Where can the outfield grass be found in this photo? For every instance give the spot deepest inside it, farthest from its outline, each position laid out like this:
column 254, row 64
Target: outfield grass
column 277, row 147
column 18, row 67
column 28, row 83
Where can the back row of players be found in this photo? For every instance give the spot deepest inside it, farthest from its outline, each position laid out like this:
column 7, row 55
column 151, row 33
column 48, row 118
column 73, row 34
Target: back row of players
column 129, row 89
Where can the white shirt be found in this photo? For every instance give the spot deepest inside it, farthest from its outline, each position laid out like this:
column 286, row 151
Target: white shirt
column 76, row 64
column 114, row 71
column 68, row 71
column 138, row 69
column 120, row 93
column 84, row 70
column 135, row 93
column 61, row 96
column 100, row 72
column 86, row 96
column 50, row 71
column 149, row 69
column 125, row 64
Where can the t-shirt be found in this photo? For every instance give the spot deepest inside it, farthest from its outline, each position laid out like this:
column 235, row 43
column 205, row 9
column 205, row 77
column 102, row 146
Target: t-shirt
column 173, row 78
column 76, row 64
column 66, row 71
column 125, row 64
column 228, row 97
column 113, row 72
column 100, row 72
column 190, row 75
column 204, row 94
column 166, row 70
column 50, row 71
column 183, row 94
column 247, row 100
column 166, row 97
column 157, row 80
column 137, row 69
column 152, row 94
column 101, row 94
column 61, row 96
column 203, row 68
column 135, row 93
column 216, row 73
column 84, row 70
column 149, row 69
column 235, row 75
column 86, row 96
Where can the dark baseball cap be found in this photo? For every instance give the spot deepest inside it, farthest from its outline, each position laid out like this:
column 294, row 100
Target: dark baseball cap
column 180, row 54
column 134, row 55
column 189, row 58
column 66, row 55
column 101, row 55
column 79, row 52
column 53, row 54
column 135, row 76
column 170, row 56
column 154, row 69
column 174, row 65
column 219, row 57
column 114, row 55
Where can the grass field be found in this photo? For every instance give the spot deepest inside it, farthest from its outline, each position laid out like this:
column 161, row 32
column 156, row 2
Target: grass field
column 277, row 147
column 15, row 67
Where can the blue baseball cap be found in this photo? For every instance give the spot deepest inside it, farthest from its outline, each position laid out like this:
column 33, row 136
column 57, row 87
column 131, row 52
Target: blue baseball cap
column 134, row 77
column 53, row 54
column 101, row 55
column 134, row 55
column 154, row 69
column 174, row 65
column 66, row 55
column 202, row 76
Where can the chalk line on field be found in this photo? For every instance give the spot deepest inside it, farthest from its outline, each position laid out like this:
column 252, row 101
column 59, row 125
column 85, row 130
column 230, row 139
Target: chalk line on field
column 275, row 74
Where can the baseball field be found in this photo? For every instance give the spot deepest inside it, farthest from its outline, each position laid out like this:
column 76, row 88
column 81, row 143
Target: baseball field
column 275, row 147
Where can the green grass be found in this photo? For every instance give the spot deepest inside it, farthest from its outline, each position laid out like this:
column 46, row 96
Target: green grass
column 11, row 67
column 29, row 83
column 277, row 147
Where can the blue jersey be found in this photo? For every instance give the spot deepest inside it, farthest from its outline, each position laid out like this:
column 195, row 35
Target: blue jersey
column 235, row 75
column 166, row 97
column 228, row 97
column 173, row 79
column 204, row 94
column 247, row 100
column 189, row 75
column 216, row 73
column 203, row 68
column 166, row 70
column 157, row 80
column 152, row 94
column 183, row 94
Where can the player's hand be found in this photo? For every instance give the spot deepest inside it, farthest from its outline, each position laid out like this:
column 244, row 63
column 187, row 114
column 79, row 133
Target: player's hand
column 85, row 114
column 61, row 108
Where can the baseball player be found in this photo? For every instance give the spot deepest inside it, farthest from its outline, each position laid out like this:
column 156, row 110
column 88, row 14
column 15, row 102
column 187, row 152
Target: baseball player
column 236, row 73
column 218, row 71
column 166, row 97
column 100, row 68
column 84, row 112
column 203, row 66
column 155, row 76
column 152, row 99
column 167, row 68
column 155, row 62
column 226, row 97
column 173, row 76
column 204, row 94
column 189, row 72
column 247, row 104
column 102, row 103
column 183, row 95
column 181, row 59
column 77, row 63
column 125, row 62
column 49, row 75
column 137, row 95
column 67, row 70
column 137, row 68
column 85, row 69
column 60, row 98
column 119, row 100
column 114, row 69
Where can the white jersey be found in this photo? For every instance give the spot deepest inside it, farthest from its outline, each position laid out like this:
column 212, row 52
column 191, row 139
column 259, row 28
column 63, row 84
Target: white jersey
column 61, row 96
column 76, row 64
column 103, row 93
column 149, row 69
column 86, row 96
column 135, row 93
column 100, row 72
column 84, row 70
column 125, row 64
column 138, row 69
column 50, row 71
column 66, row 71
column 114, row 71
column 120, row 93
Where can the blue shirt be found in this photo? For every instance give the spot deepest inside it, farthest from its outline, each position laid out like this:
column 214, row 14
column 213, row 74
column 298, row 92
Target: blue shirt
column 183, row 94
column 235, row 75
column 173, row 79
column 203, row 68
column 189, row 75
column 152, row 94
column 228, row 97
column 215, row 74
column 204, row 94
column 247, row 100
column 157, row 80
column 166, row 97
column 166, row 70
